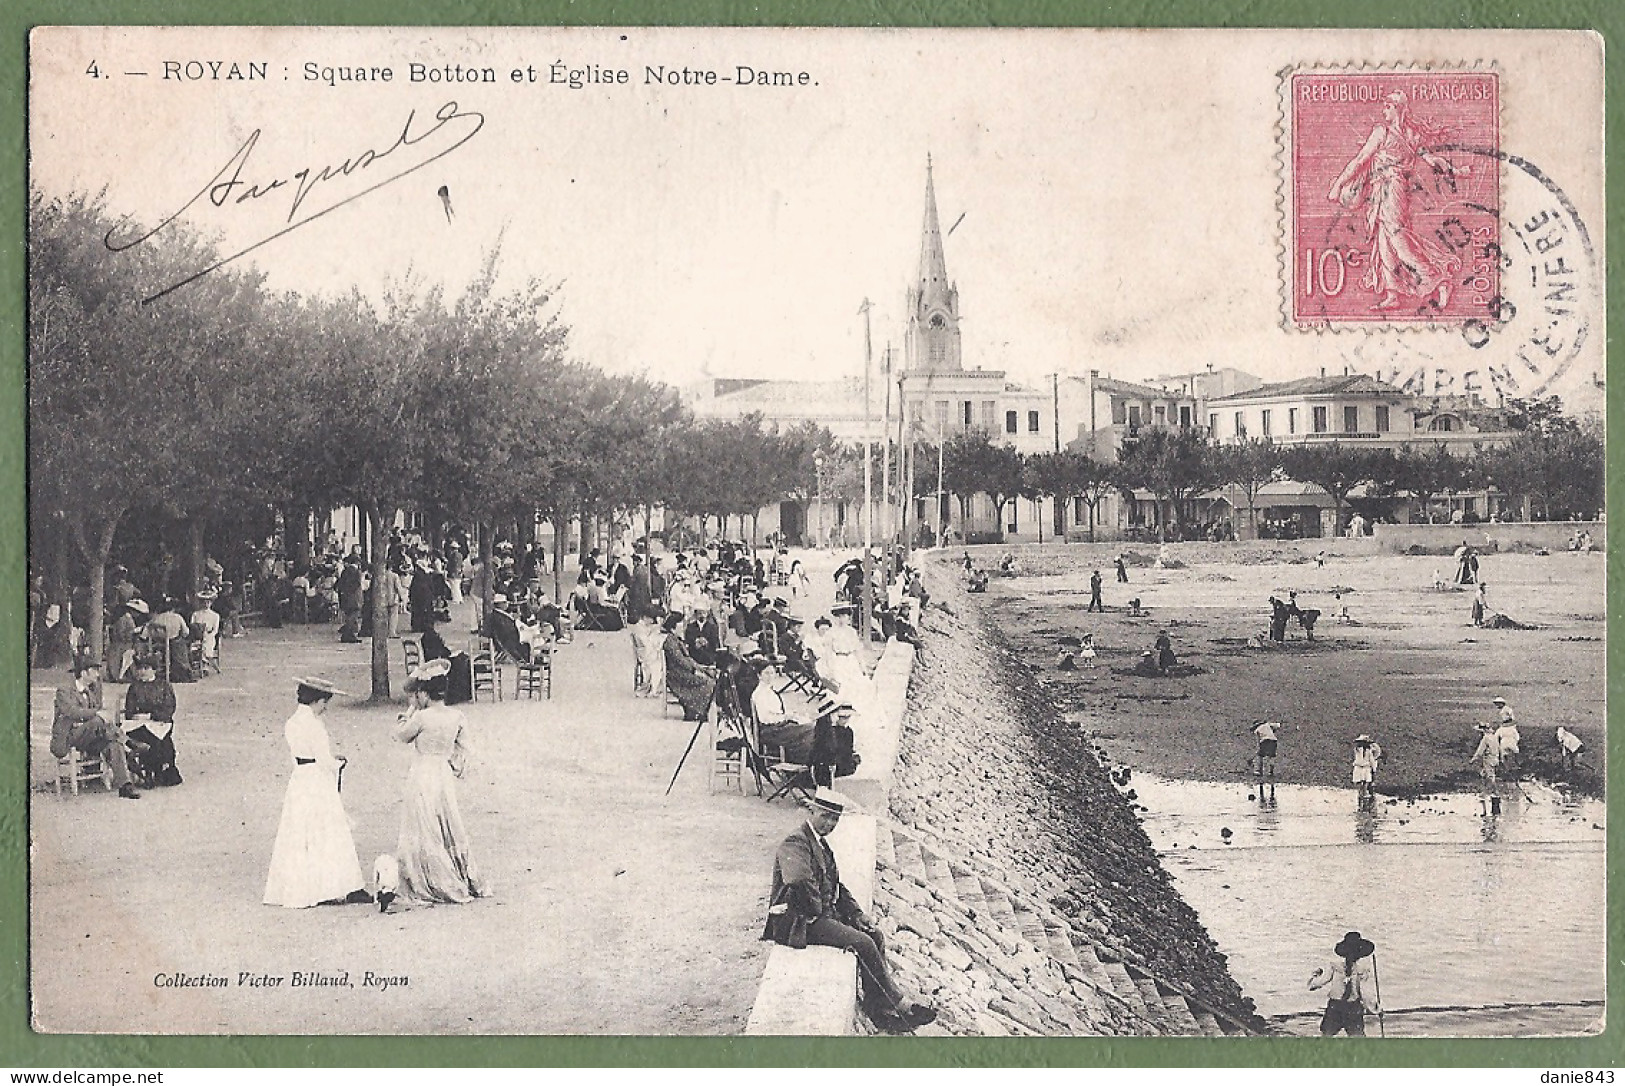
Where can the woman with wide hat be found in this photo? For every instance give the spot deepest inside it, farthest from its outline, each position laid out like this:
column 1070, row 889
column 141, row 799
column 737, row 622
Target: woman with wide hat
column 313, row 861
column 1351, row 986
column 432, row 853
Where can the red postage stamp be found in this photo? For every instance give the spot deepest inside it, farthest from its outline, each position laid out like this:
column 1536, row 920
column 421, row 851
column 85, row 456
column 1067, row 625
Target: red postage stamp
column 1395, row 197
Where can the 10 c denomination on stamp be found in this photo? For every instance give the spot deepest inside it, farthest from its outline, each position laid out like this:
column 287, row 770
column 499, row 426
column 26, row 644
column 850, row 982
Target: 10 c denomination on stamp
column 1395, row 193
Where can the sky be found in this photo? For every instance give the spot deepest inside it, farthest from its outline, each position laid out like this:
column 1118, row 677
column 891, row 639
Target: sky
column 1119, row 189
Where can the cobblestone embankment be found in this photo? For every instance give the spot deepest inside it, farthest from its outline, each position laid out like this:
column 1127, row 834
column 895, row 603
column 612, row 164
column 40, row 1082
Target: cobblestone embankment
column 1017, row 884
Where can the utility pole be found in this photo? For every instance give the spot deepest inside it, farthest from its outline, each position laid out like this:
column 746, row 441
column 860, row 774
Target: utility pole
column 866, row 597
column 940, row 525
column 885, row 452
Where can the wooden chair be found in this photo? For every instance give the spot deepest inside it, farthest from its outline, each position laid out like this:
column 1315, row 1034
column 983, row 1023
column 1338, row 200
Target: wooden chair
column 486, row 668
column 79, row 768
column 153, row 648
column 411, row 653
column 730, row 752
column 535, row 676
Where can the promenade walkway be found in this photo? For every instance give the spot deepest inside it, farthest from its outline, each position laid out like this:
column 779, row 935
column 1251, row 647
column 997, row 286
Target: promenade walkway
column 617, row 909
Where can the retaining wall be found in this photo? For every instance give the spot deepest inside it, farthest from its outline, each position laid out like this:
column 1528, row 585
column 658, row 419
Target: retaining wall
column 813, row 992
column 1442, row 538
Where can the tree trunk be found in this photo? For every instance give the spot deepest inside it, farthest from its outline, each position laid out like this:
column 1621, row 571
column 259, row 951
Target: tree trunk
column 487, row 556
column 560, row 526
column 96, row 554
column 194, row 555
column 380, row 611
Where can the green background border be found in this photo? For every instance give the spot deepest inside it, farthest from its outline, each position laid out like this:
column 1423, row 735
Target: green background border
column 20, row 1047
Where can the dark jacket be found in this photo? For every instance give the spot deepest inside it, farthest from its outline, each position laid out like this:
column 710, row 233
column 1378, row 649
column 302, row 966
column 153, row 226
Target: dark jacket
column 806, row 879
column 73, row 707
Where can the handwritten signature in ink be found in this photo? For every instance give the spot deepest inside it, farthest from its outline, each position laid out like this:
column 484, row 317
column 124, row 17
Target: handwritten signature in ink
column 228, row 187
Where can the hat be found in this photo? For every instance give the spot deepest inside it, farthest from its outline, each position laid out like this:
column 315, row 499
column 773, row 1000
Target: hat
column 1498, row 701
column 147, row 661
column 822, row 620
column 139, row 607
column 792, row 620
column 319, row 685
column 498, row 598
column 842, row 609
column 780, row 601
column 1362, row 739
column 208, row 594
column 828, row 799
column 1354, row 946
column 829, row 705
column 83, row 663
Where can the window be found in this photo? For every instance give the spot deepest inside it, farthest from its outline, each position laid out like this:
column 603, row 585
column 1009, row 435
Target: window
column 942, row 416
column 1320, row 420
column 965, row 406
column 1134, row 416
column 1292, row 420
column 1162, row 414
column 990, row 413
column 1119, row 412
column 1351, row 420
column 1241, row 424
column 1009, row 422
column 1011, row 527
column 1185, row 418
column 1032, row 422
column 1213, row 425
column 1080, row 511
column 1264, row 423
column 1382, row 419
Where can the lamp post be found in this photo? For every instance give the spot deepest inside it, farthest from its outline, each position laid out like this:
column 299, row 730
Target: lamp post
column 818, row 477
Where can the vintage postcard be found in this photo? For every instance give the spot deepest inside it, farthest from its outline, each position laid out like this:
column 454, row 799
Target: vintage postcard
column 630, row 531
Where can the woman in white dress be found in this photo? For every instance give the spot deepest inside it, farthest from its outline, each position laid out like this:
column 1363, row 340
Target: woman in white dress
column 314, row 860
column 846, row 664
column 433, row 857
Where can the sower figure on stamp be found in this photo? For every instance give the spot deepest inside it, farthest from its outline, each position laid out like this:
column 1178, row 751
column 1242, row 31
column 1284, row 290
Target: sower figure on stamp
column 1385, row 171
column 811, row 907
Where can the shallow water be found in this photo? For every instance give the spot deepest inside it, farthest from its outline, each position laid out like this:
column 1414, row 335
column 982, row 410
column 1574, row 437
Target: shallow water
column 1468, row 909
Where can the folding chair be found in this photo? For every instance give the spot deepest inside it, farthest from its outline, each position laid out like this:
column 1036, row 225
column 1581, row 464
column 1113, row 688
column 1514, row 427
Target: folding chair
column 486, row 668
column 774, row 767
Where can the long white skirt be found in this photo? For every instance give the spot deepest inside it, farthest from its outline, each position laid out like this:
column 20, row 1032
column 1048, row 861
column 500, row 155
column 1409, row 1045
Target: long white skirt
column 314, row 857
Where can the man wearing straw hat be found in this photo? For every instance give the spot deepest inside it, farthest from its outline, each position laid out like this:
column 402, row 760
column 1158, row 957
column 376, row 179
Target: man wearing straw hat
column 811, row 907
column 1351, row 983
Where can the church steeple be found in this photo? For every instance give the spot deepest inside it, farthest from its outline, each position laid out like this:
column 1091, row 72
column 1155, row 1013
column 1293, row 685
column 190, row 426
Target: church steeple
column 933, row 266
column 933, row 302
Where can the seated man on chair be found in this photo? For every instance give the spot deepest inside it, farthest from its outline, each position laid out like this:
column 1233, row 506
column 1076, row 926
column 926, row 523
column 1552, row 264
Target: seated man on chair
column 775, row 726
column 810, row 907
column 81, row 724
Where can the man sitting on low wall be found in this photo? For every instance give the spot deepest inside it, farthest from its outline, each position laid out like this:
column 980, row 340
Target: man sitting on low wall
column 811, row 907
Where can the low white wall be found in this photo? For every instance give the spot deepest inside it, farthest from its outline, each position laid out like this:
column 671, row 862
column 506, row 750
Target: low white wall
column 813, row 992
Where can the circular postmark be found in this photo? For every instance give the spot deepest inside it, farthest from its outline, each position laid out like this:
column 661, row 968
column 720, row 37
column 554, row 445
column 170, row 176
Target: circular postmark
column 1540, row 320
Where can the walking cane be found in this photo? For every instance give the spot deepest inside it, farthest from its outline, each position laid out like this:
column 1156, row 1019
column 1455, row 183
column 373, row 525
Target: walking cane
column 1376, row 980
column 684, row 758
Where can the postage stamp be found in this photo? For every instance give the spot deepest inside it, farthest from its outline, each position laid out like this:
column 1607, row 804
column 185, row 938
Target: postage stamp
column 1394, row 188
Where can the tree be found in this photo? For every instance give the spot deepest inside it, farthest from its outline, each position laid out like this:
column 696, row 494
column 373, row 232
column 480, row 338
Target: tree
column 1426, row 473
column 1250, row 465
column 1337, row 469
column 1172, row 464
column 130, row 404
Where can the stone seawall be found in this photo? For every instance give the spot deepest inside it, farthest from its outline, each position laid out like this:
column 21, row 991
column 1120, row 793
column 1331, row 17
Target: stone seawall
column 991, row 775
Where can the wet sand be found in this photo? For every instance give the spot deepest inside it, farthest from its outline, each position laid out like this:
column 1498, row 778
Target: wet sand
column 1410, row 669
column 1441, row 883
